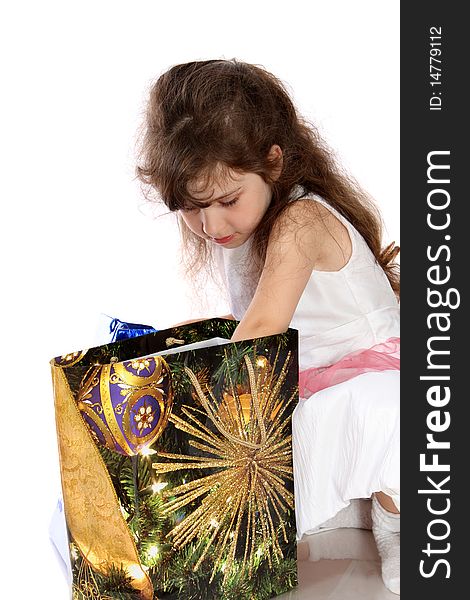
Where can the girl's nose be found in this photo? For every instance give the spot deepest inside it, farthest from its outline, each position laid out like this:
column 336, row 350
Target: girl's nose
column 212, row 223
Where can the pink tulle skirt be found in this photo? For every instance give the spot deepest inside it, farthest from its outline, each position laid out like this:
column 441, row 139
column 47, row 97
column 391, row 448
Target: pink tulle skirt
column 381, row 357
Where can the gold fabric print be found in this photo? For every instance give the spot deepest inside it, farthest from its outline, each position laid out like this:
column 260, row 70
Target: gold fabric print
column 91, row 506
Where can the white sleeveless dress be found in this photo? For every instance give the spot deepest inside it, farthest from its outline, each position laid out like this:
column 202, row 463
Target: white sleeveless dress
column 345, row 437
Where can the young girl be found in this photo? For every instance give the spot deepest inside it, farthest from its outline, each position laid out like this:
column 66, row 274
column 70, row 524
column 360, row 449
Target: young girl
column 298, row 244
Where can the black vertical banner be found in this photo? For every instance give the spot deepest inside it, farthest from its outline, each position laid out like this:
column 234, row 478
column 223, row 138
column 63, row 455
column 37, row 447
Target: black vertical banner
column 435, row 247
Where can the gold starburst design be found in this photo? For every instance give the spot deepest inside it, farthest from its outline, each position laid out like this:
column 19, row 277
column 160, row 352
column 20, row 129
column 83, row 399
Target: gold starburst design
column 243, row 502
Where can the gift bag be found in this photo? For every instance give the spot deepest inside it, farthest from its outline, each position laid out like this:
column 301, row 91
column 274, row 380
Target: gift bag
column 176, row 464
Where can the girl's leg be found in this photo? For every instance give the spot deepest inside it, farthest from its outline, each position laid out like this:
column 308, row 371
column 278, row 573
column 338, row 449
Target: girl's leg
column 387, row 502
column 386, row 530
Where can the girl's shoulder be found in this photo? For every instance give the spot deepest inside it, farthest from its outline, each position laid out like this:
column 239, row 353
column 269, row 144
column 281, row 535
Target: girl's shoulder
column 318, row 232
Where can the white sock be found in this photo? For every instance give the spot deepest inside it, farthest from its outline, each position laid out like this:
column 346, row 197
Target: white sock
column 386, row 530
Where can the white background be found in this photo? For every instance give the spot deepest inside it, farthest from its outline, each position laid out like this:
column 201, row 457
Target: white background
column 77, row 239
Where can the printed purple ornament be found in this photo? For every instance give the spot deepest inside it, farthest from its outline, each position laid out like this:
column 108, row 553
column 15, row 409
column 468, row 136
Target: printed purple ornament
column 126, row 405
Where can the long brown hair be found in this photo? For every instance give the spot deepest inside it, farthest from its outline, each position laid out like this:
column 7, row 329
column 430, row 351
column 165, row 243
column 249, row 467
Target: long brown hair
column 224, row 113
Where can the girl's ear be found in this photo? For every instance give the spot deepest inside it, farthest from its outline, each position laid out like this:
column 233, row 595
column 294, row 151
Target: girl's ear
column 276, row 159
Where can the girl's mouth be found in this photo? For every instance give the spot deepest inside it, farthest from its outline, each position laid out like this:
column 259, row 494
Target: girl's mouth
column 224, row 240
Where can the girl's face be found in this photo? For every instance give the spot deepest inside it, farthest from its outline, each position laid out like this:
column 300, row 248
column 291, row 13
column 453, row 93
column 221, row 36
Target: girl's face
column 233, row 209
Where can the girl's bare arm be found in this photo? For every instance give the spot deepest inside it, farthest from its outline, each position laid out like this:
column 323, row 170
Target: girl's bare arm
column 231, row 317
column 290, row 258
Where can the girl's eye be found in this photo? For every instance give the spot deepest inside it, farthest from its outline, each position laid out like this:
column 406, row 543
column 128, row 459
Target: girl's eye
column 230, row 202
